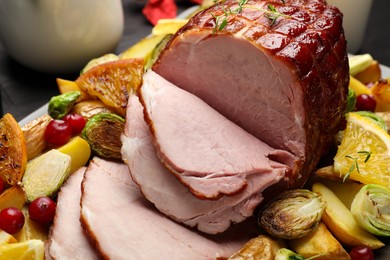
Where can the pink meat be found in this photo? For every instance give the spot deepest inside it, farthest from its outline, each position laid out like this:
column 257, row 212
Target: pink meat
column 66, row 238
column 283, row 80
column 208, row 153
column 126, row 226
column 160, row 187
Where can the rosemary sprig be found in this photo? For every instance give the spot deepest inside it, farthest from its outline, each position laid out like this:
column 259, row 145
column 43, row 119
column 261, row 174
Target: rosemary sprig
column 222, row 20
column 355, row 164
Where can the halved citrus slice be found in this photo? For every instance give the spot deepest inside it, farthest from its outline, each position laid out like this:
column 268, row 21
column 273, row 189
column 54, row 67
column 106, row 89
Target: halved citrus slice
column 111, row 82
column 364, row 153
column 13, row 150
column 30, row 249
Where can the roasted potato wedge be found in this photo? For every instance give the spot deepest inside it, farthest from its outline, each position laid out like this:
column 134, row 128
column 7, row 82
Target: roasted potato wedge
column 320, row 243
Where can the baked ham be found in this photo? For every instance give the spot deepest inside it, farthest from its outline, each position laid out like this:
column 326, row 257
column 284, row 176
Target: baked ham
column 126, row 226
column 283, row 80
column 165, row 191
column 227, row 109
column 66, row 238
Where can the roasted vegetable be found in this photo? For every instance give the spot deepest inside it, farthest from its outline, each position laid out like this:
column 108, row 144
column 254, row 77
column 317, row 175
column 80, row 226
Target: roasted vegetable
column 341, row 223
column 293, row 214
column 89, row 108
column 374, row 117
column 261, row 247
column 359, row 63
column 320, row 245
column 78, row 149
column 97, row 61
column 351, row 100
column 371, row 209
column 59, row 106
column 34, row 132
column 45, row 174
column 103, row 132
column 156, row 51
column 287, row 254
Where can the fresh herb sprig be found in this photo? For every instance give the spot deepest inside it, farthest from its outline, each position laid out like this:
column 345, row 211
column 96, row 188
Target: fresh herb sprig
column 355, row 164
column 222, row 20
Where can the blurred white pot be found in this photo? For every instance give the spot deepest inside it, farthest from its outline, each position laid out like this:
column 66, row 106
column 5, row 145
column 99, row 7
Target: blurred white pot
column 59, row 36
column 356, row 14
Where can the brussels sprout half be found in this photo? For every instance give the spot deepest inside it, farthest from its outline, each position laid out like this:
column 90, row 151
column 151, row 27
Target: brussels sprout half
column 371, row 209
column 293, row 214
column 103, row 132
column 60, row 105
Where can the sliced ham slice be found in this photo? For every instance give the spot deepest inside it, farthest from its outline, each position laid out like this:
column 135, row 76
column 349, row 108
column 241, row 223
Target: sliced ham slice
column 66, row 237
column 172, row 198
column 126, row 226
column 208, row 153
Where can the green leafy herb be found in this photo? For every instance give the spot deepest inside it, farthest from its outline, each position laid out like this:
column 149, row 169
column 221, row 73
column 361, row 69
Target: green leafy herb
column 355, row 164
column 222, row 20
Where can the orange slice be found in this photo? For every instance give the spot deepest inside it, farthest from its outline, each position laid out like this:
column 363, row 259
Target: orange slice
column 111, row 82
column 13, row 150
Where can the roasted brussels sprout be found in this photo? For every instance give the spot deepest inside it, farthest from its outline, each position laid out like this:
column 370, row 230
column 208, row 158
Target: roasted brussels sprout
column 293, row 214
column 371, row 209
column 60, row 105
column 156, row 51
column 103, row 133
column 287, row 254
column 351, row 100
column 374, row 117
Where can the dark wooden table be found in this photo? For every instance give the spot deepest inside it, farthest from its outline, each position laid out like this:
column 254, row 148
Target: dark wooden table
column 24, row 90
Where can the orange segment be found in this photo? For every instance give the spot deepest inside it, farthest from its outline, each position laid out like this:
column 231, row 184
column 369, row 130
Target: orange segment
column 112, row 82
column 364, row 153
column 13, row 150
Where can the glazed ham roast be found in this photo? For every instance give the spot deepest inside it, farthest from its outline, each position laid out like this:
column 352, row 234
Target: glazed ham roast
column 233, row 116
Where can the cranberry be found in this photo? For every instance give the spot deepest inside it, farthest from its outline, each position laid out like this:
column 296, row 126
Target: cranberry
column 11, row 220
column 365, row 102
column 361, row 253
column 42, row 210
column 58, row 132
column 76, row 122
column 1, row 185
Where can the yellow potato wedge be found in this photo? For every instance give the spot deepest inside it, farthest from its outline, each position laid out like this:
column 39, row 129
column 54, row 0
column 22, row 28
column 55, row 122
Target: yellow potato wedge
column 69, row 86
column 261, row 247
column 79, row 151
column 371, row 74
column 358, row 87
column 12, row 197
column 341, row 223
column 320, row 243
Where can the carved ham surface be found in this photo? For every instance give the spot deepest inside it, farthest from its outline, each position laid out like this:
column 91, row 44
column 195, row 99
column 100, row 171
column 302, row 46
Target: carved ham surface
column 66, row 238
column 126, row 226
column 172, row 198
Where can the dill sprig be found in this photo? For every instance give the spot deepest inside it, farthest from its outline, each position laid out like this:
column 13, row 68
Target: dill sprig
column 222, row 20
column 355, row 164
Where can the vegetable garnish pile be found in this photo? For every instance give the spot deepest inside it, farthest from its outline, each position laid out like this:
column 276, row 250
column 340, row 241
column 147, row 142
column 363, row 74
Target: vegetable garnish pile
column 340, row 214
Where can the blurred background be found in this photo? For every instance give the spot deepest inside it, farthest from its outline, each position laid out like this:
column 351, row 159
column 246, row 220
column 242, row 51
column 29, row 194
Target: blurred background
column 24, row 90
